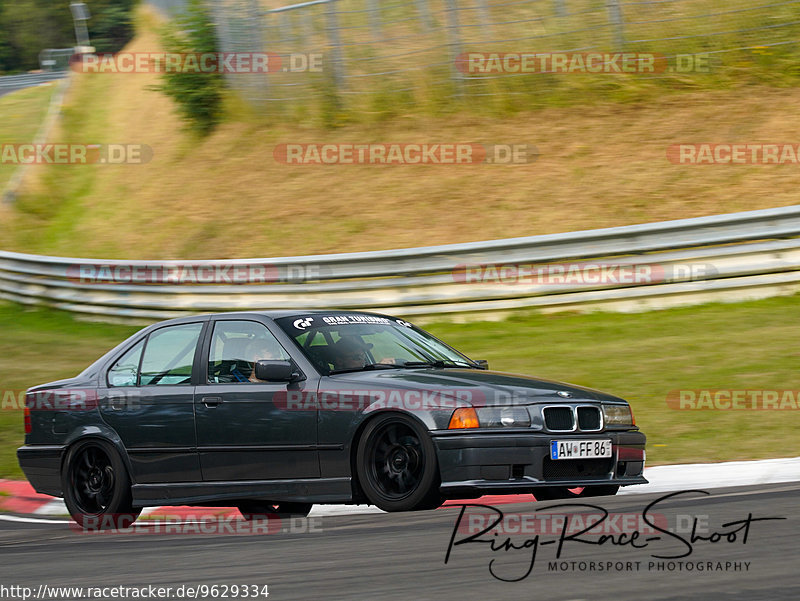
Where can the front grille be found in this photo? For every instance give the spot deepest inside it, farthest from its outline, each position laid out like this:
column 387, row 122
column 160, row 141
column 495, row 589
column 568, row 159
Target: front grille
column 559, row 419
column 588, row 418
column 570, row 469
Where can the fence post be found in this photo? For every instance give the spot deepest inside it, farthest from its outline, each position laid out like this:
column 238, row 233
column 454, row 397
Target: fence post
column 239, row 27
column 287, row 33
column 332, row 27
column 561, row 9
column 454, row 43
column 374, row 9
column 307, row 27
column 486, row 17
column 259, row 83
column 616, row 19
column 424, row 15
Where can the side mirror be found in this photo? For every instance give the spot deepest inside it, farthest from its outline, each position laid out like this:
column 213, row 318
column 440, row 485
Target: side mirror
column 276, row 371
column 482, row 363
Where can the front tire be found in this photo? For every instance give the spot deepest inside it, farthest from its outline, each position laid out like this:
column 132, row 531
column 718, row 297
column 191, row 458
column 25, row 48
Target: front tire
column 97, row 488
column 397, row 466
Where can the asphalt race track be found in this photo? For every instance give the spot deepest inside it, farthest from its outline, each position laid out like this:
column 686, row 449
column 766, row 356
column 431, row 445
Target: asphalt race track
column 401, row 556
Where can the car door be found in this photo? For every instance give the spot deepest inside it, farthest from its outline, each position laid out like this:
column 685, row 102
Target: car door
column 150, row 404
column 245, row 428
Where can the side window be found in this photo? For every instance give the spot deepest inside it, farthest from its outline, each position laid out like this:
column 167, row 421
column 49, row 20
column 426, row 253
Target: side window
column 235, row 348
column 125, row 371
column 169, row 355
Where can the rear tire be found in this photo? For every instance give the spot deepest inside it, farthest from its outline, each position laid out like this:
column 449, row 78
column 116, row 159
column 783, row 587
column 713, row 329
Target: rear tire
column 97, row 488
column 551, row 493
column 397, row 466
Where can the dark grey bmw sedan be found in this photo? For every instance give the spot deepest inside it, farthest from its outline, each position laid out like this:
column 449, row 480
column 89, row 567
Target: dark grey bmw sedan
column 273, row 411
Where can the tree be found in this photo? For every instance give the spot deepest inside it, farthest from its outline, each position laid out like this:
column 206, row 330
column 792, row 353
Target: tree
column 29, row 26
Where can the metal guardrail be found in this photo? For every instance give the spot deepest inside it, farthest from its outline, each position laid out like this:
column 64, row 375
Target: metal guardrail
column 743, row 255
column 30, row 79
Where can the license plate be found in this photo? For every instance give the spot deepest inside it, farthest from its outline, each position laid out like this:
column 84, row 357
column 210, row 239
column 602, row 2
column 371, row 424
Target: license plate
column 580, row 449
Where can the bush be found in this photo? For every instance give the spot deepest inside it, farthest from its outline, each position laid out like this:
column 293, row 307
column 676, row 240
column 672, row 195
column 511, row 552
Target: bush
column 29, row 26
column 198, row 94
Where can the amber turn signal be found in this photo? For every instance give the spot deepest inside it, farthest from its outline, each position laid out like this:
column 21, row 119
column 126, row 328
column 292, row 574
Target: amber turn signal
column 464, row 418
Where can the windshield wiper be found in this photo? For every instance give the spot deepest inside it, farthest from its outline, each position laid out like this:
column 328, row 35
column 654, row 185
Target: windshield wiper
column 438, row 363
column 367, row 367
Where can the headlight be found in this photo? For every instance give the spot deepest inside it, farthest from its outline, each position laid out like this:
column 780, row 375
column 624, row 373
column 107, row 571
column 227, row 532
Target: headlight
column 504, row 417
column 490, row 417
column 618, row 415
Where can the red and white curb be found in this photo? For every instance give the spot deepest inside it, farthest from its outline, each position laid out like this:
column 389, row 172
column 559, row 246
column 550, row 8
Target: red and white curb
column 19, row 497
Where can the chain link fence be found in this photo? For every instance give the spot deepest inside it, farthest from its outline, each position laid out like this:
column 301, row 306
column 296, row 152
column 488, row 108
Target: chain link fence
column 168, row 7
column 376, row 54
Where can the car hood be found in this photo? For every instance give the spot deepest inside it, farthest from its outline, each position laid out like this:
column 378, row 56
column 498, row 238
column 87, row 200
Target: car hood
column 492, row 386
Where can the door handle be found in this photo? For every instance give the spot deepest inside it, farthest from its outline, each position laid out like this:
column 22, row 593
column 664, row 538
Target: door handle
column 211, row 401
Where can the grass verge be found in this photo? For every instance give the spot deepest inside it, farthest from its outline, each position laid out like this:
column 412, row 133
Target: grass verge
column 22, row 113
column 641, row 357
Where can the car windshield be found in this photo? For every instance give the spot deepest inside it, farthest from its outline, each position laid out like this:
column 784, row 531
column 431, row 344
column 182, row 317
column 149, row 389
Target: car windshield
column 355, row 342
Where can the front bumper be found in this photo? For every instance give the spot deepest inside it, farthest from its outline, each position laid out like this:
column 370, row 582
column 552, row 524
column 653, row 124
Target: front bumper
column 474, row 463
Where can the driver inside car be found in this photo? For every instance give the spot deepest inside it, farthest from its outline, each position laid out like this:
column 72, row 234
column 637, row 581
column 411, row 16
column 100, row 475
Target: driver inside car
column 350, row 352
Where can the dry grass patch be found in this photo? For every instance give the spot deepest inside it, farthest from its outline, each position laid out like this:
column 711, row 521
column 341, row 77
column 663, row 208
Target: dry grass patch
column 227, row 196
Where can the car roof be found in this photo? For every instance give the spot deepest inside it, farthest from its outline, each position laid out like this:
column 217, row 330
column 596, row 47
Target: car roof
column 272, row 314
